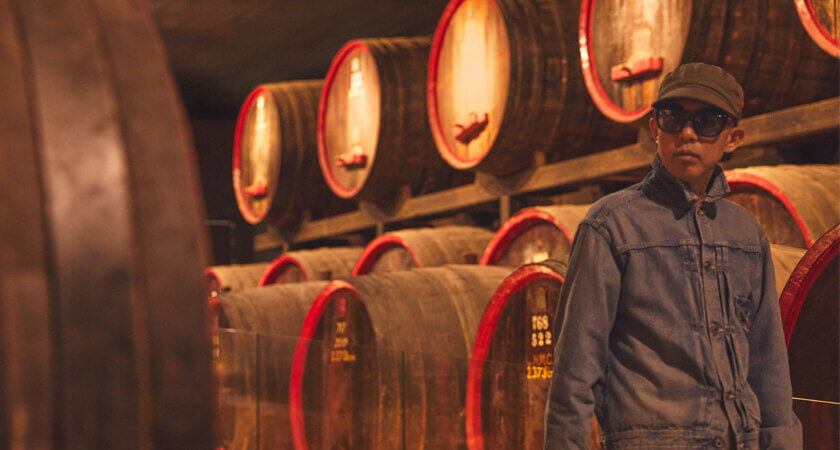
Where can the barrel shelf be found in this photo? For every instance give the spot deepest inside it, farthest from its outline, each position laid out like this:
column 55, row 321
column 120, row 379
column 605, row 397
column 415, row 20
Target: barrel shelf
column 778, row 127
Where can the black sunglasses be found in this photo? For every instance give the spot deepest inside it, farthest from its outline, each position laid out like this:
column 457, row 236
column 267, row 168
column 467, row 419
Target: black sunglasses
column 707, row 122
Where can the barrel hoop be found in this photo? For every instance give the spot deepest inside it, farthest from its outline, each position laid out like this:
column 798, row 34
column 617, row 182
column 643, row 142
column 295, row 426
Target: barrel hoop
column 212, row 273
column 445, row 150
column 310, row 323
column 279, row 264
column 738, row 180
column 247, row 213
column 377, row 247
column 590, row 74
column 810, row 267
column 484, row 336
column 815, row 29
column 323, row 155
column 513, row 227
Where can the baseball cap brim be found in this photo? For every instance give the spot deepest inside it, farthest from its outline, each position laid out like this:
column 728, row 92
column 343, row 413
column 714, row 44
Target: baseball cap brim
column 699, row 92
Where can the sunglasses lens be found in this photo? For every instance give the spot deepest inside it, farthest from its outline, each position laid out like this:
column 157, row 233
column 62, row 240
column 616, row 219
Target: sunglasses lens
column 671, row 120
column 708, row 123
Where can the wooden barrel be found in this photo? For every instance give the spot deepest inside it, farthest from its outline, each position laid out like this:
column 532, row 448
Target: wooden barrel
column 504, row 81
column 373, row 132
column 255, row 335
column 627, row 48
column 102, row 325
column 819, row 17
column 310, row 265
column 785, row 260
column 810, row 311
column 386, row 366
column 793, row 204
column 234, row 277
column 512, row 360
column 275, row 168
column 422, row 247
column 534, row 235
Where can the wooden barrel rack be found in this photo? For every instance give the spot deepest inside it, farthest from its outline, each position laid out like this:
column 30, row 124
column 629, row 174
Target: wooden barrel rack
column 253, row 361
column 819, row 17
column 275, row 162
column 220, row 279
column 504, row 82
column 309, row 265
column 102, row 328
column 422, row 247
column 627, row 48
column 390, row 352
column 794, row 204
column 809, row 307
column 534, row 235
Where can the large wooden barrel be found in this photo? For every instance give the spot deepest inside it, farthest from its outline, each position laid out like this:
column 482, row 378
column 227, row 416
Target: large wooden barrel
column 255, row 332
column 793, row 204
column 819, row 17
column 534, row 235
column 504, row 81
column 275, row 164
column 373, row 132
column 102, row 324
column 234, row 277
column 810, row 311
column 627, row 48
column 309, row 265
column 512, row 360
column 382, row 359
column 423, row 247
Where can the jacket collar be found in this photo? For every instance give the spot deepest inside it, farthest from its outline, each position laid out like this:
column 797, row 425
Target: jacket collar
column 663, row 187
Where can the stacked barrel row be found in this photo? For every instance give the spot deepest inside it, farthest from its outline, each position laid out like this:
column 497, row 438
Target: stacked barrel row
column 343, row 374
column 500, row 81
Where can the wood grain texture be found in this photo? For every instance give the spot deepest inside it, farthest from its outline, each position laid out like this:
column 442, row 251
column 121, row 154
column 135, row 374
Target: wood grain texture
column 234, row 277
column 117, row 196
column 325, row 263
column 517, row 62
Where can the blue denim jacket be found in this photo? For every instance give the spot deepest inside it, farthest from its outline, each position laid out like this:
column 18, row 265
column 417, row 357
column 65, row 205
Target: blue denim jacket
column 671, row 332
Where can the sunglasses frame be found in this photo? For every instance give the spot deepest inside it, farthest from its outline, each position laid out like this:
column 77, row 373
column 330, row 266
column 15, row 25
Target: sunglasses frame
column 728, row 119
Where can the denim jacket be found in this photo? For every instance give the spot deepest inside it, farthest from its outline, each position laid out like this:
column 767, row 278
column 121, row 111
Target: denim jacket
column 671, row 332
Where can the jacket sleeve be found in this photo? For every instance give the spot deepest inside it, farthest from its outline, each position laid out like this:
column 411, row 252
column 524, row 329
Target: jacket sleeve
column 589, row 299
column 769, row 374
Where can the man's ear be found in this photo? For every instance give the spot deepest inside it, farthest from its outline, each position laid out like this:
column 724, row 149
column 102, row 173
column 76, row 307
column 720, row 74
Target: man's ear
column 654, row 130
column 734, row 140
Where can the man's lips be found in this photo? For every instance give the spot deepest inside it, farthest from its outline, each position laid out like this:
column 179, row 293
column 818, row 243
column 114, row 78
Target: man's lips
column 685, row 153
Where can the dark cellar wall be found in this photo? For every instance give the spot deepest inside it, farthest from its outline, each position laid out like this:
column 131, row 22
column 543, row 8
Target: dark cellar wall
column 231, row 236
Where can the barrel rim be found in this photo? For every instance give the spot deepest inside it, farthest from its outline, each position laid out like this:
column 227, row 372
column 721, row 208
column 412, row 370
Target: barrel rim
column 323, row 157
column 244, row 208
column 484, row 335
column 273, row 270
column 377, row 247
column 523, row 220
column 211, row 273
column 815, row 29
column 310, row 322
column 809, row 268
column 590, row 74
column 442, row 144
column 742, row 179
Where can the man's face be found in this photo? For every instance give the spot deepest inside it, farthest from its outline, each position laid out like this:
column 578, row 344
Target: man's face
column 689, row 157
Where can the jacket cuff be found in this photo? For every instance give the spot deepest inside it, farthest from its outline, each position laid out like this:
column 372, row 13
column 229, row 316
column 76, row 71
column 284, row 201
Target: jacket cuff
column 781, row 438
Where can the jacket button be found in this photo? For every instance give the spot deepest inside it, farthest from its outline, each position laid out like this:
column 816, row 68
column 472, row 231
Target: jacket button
column 730, row 395
column 719, row 443
column 718, row 330
column 700, row 211
column 708, row 265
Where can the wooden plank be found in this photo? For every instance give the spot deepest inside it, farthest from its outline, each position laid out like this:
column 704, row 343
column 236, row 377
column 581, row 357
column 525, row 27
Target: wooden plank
column 780, row 126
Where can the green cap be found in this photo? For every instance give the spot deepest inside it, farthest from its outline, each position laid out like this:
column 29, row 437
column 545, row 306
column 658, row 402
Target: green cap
column 704, row 82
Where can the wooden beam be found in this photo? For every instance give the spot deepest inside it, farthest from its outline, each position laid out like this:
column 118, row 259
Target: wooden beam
column 780, row 126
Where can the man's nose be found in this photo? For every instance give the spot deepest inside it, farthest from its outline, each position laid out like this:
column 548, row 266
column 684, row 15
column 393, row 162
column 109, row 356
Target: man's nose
column 687, row 133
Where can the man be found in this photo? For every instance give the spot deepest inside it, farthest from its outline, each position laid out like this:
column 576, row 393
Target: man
column 671, row 333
